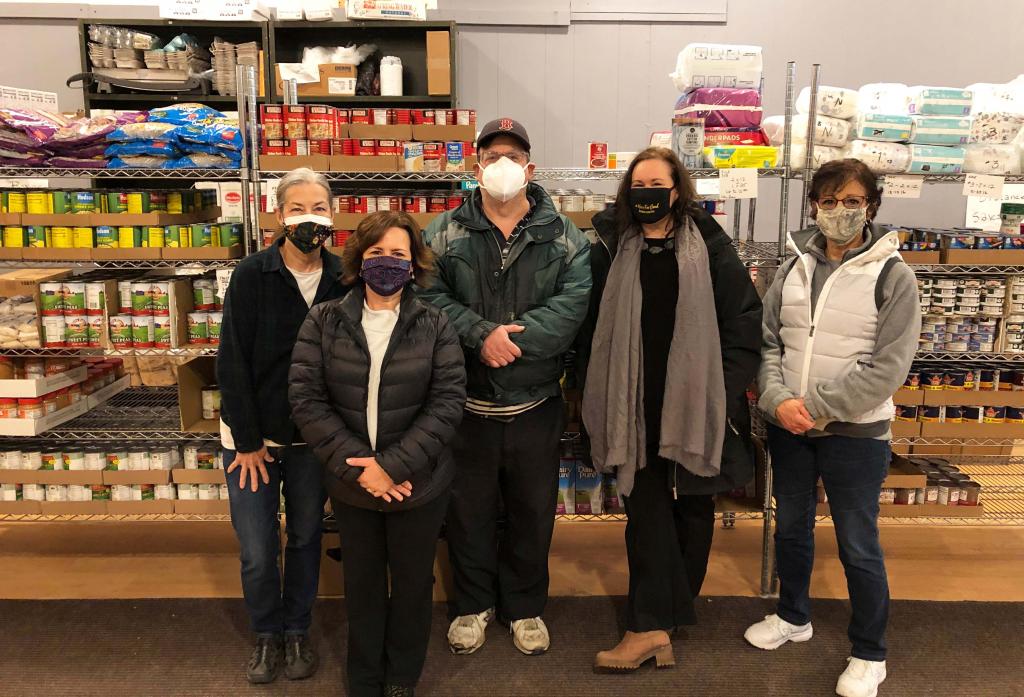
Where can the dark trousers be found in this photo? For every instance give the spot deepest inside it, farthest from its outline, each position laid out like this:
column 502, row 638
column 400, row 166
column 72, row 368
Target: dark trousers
column 668, row 542
column 388, row 632
column 852, row 471
column 517, row 460
column 254, row 515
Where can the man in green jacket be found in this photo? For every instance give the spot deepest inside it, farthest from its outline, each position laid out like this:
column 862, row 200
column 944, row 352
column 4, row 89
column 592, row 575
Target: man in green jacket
column 514, row 277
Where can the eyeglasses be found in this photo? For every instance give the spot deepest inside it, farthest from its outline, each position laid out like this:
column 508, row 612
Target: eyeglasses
column 489, row 157
column 851, row 202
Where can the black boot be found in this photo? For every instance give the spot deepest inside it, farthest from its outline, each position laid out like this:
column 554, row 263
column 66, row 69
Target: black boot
column 265, row 662
column 300, row 658
column 398, row 691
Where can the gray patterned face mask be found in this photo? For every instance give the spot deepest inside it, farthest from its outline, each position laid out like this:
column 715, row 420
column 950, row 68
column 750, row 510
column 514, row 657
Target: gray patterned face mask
column 842, row 225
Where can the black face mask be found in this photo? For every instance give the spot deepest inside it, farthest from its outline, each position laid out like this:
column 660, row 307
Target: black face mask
column 649, row 205
column 308, row 235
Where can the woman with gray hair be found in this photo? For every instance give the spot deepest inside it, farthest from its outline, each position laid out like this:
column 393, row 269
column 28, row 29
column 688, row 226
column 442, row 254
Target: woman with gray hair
column 264, row 307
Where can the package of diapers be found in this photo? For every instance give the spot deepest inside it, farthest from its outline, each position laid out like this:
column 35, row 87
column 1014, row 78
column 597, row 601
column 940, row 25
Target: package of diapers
column 718, row 65
column 828, row 131
column 1003, row 160
column 996, row 127
column 837, row 102
column 882, row 98
column 939, row 101
column 891, row 128
column 941, row 130
column 1007, row 98
column 821, row 155
column 935, row 159
column 741, row 156
column 722, row 107
column 881, row 158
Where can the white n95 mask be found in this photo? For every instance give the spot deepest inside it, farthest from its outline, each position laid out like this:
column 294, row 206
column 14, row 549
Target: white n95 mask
column 504, row 179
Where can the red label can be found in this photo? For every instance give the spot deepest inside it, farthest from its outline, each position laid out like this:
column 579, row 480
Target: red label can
column 463, row 117
column 359, row 204
column 287, row 147
column 367, row 147
column 402, row 116
column 359, row 116
column 320, row 147
column 341, row 115
column 437, row 204
column 441, row 117
column 338, row 147
column 340, row 236
column 433, row 157
column 468, row 148
column 294, row 121
column 454, row 201
column 343, row 204
column 272, row 118
column 389, row 203
column 379, row 117
column 598, row 158
column 320, row 122
column 388, row 147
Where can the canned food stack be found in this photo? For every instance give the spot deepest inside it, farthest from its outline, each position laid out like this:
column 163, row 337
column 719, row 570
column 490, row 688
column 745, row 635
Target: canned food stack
column 1014, row 342
column 204, row 322
column 945, row 485
column 66, row 322
column 969, row 381
column 962, row 314
column 426, row 201
column 578, row 200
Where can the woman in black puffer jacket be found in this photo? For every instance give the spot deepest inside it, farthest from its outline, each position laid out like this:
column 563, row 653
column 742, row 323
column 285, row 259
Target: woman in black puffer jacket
column 377, row 389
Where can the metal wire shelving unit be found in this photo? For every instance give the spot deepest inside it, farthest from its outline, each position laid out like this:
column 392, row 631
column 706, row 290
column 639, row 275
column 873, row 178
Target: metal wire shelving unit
column 132, row 174
column 127, row 264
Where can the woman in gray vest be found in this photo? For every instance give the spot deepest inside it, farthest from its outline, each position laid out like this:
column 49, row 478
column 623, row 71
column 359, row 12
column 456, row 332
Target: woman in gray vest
column 841, row 326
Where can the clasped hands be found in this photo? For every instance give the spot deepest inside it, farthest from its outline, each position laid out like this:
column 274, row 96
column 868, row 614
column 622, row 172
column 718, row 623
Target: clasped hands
column 376, row 482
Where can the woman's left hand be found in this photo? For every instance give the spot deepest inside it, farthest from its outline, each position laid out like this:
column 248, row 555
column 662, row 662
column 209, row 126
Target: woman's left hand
column 377, row 482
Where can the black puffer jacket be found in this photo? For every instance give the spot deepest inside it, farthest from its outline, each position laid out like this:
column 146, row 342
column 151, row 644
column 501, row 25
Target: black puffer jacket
column 738, row 309
column 420, row 403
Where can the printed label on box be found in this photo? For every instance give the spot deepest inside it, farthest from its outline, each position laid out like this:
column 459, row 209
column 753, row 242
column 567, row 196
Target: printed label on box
column 341, row 85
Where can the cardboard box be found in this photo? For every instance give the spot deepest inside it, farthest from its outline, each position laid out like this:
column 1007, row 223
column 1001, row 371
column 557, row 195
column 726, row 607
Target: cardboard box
column 202, row 253
column 41, row 386
column 58, row 219
column 906, row 429
column 908, row 398
column 366, row 163
column 432, row 133
column 219, row 507
column 100, row 396
column 921, row 257
column 19, row 507
column 993, row 398
column 582, row 220
column 137, row 477
column 997, row 257
column 928, row 510
column 51, row 477
column 193, row 376
column 903, row 475
column 183, row 476
column 936, row 449
column 350, row 221
column 268, row 221
column 140, row 507
column 362, row 130
column 73, row 507
column 10, row 218
column 56, row 254
column 439, row 63
column 285, row 163
column 33, row 427
column 181, row 300
column 336, row 80
column 126, row 253
column 26, row 282
column 122, row 219
column 11, row 253
column 972, row 430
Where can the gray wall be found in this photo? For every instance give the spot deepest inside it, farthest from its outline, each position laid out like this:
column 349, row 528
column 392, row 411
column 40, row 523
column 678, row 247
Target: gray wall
column 609, row 82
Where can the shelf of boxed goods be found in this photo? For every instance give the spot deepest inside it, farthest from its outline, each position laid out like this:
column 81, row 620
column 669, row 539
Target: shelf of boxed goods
column 541, row 174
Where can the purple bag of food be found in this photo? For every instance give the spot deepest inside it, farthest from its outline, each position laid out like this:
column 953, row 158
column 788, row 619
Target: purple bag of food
column 37, row 125
column 722, row 107
column 77, row 162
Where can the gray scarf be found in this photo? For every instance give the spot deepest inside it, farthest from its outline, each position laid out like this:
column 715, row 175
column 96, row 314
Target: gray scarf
column 693, row 418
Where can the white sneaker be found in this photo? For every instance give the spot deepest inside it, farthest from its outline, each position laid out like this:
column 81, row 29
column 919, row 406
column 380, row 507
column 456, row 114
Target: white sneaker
column 531, row 636
column 774, row 631
column 861, row 678
column 466, row 633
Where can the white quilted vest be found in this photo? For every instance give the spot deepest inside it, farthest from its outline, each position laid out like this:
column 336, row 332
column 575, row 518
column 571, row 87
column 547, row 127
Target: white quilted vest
column 825, row 343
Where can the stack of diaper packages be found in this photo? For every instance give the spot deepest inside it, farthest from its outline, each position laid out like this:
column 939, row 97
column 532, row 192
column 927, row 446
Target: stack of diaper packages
column 833, row 126
column 996, row 144
column 721, row 86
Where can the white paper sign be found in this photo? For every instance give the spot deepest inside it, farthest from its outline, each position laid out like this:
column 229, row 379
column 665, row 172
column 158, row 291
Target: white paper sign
column 223, row 279
column 902, row 187
column 984, row 212
column 707, row 187
column 738, row 183
column 983, row 185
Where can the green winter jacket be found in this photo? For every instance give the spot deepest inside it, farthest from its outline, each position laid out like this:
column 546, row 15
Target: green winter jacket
column 544, row 286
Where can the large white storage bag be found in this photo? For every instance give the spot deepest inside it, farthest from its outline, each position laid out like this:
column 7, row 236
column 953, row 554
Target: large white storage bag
column 718, row 65
column 837, row 102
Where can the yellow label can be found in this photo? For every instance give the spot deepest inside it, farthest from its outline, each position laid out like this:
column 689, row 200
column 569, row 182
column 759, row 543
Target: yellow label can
column 62, row 237
column 84, row 238
column 155, row 237
column 38, row 203
column 16, row 202
column 14, row 236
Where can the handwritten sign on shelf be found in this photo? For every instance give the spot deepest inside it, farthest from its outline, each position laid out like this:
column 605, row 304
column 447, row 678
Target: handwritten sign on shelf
column 738, row 183
column 896, row 186
column 983, row 185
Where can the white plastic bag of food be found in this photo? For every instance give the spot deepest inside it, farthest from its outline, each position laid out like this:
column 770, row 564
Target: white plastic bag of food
column 881, row 158
column 821, row 155
column 981, row 158
column 718, row 65
column 837, row 102
column 882, row 98
column 828, row 131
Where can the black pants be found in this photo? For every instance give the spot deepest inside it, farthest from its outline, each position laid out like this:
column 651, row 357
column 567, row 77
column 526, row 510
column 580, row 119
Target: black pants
column 388, row 633
column 668, row 542
column 518, row 460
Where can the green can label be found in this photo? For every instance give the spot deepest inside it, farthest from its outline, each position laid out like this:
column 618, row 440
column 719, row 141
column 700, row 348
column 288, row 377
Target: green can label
column 142, row 331
column 198, row 328
column 148, row 492
column 173, row 235
column 106, row 236
column 202, row 234
column 36, row 235
column 121, row 331
column 142, row 299
column 213, row 323
column 77, row 331
column 84, row 202
column 161, row 332
column 61, row 201
column 160, row 292
column 51, row 298
column 100, row 492
column 117, row 202
column 74, row 297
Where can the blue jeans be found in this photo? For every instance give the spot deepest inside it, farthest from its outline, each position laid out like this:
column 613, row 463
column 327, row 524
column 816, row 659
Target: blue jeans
column 852, row 471
column 273, row 610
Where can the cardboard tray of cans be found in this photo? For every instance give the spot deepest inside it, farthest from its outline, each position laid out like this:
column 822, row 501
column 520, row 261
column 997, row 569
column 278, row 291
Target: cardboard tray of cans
column 119, row 219
column 977, row 398
column 81, row 477
column 19, row 507
column 33, row 427
column 219, row 507
column 927, row 510
column 41, row 386
column 911, row 398
column 187, row 476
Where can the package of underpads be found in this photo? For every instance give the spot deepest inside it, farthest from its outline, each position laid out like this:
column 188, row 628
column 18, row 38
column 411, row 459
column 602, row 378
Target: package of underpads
column 837, row 102
column 827, row 130
column 722, row 107
column 935, row 159
column 939, row 101
column 741, row 156
column 718, row 65
column 881, row 158
column 996, row 127
column 941, row 130
column 882, row 98
column 821, row 155
column 982, row 158
column 891, row 128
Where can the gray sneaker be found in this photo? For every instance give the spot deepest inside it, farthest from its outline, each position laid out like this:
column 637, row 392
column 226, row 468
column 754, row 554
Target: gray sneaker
column 265, row 662
column 466, row 633
column 300, row 658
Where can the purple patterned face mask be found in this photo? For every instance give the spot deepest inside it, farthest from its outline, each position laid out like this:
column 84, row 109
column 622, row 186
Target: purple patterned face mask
column 386, row 275
column 308, row 232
